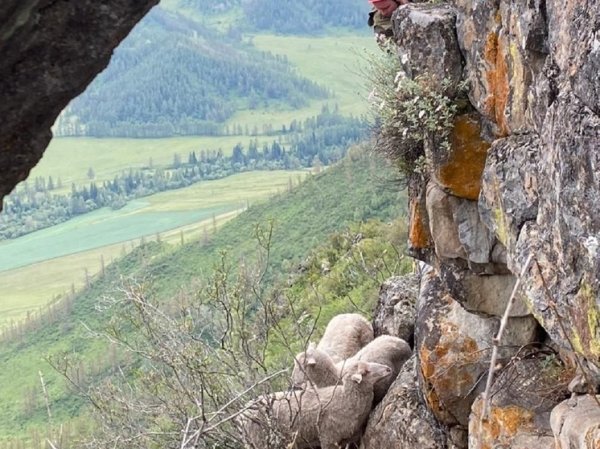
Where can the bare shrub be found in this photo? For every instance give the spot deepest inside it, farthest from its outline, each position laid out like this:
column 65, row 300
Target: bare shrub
column 189, row 367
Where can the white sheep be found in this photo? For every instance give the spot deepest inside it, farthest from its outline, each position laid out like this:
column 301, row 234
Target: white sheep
column 313, row 417
column 315, row 366
column 387, row 350
column 320, row 369
column 344, row 336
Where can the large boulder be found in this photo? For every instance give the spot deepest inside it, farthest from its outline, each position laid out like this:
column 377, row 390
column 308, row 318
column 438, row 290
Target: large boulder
column 396, row 310
column 505, row 47
column 402, row 420
column 522, row 396
column 576, row 423
column 427, row 44
column 509, row 194
column 453, row 348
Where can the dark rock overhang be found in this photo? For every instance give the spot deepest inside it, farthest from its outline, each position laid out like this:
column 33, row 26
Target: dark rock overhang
column 50, row 50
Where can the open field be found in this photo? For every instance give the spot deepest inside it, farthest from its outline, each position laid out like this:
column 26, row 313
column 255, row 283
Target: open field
column 38, row 266
column 69, row 158
column 333, row 62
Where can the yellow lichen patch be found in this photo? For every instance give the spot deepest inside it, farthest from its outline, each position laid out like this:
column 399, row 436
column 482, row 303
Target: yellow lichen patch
column 518, row 98
column 500, row 222
column 586, row 297
column 418, row 234
column 466, row 161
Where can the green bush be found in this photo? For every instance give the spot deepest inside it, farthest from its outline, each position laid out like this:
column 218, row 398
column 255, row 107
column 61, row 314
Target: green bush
column 408, row 113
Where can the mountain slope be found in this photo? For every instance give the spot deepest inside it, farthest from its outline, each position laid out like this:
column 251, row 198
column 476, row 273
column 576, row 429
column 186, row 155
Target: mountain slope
column 173, row 75
column 352, row 191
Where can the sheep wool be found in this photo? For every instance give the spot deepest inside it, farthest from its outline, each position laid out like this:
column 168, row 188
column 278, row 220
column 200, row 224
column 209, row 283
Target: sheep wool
column 344, row 336
column 314, row 417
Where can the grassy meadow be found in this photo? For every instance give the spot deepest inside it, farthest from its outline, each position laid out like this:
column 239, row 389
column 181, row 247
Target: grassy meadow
column 333, row 62
column 69, row 158
column 59, row 256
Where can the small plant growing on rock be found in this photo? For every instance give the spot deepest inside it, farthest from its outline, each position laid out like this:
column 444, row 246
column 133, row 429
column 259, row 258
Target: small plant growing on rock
column 409, row 113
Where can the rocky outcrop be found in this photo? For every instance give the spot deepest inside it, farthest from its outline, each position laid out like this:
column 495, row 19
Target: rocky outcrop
column 576, row 423
column 522, row 397
column 454, row 348
column 519, row 178
column 396, row 309
column 402, row 420
column 49, row 52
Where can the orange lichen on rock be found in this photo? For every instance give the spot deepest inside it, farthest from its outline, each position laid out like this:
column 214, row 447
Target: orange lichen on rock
column 418, row 234
column 503, row 423
column 461, row 175
column 497, row 81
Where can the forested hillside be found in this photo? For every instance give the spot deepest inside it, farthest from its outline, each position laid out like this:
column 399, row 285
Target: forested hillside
column 307, row 17
column 288, row 16
column 355, row 190
column 175, row 76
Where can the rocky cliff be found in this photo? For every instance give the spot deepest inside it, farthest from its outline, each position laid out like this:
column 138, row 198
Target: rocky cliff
column 509, row 211
column 50, row 51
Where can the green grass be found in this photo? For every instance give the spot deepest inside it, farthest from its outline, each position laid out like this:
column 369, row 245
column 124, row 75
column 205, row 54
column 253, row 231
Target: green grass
column 302, row 219
column 56, row 257
column 334, row 62
column 69, row 158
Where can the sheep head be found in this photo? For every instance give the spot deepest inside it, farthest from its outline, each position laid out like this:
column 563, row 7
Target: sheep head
column 367, row 372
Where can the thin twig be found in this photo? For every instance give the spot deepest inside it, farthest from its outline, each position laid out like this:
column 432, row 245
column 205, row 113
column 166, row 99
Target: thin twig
column 498, row 338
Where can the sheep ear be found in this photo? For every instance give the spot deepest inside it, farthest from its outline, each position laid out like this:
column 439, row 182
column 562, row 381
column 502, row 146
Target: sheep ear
column 311, row 361
column 356, row 378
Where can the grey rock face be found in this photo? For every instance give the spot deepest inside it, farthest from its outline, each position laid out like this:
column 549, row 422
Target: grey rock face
column 444, row 230
column 483, row 294
column 474, row 236
column 505, row 46
column 453, row 348
column 427, row 43
column 402, row 420
column 49, row 52
column 563, row 286
column 576, row 423
column 396, row 309
column 509, row 194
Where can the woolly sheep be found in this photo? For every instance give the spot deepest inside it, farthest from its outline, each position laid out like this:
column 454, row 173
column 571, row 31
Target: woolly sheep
column 344, row 336
column 314, row 417
column 315, row 366
column 387, row 350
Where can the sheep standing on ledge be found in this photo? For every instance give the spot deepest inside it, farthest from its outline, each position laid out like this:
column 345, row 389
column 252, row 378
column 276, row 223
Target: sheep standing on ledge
column 322, row 417
column 316, row 367
column 320, row 369
column 344, row 336
column 387, row 350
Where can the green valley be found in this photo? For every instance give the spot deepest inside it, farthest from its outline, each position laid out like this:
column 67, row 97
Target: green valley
column 350, row 192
